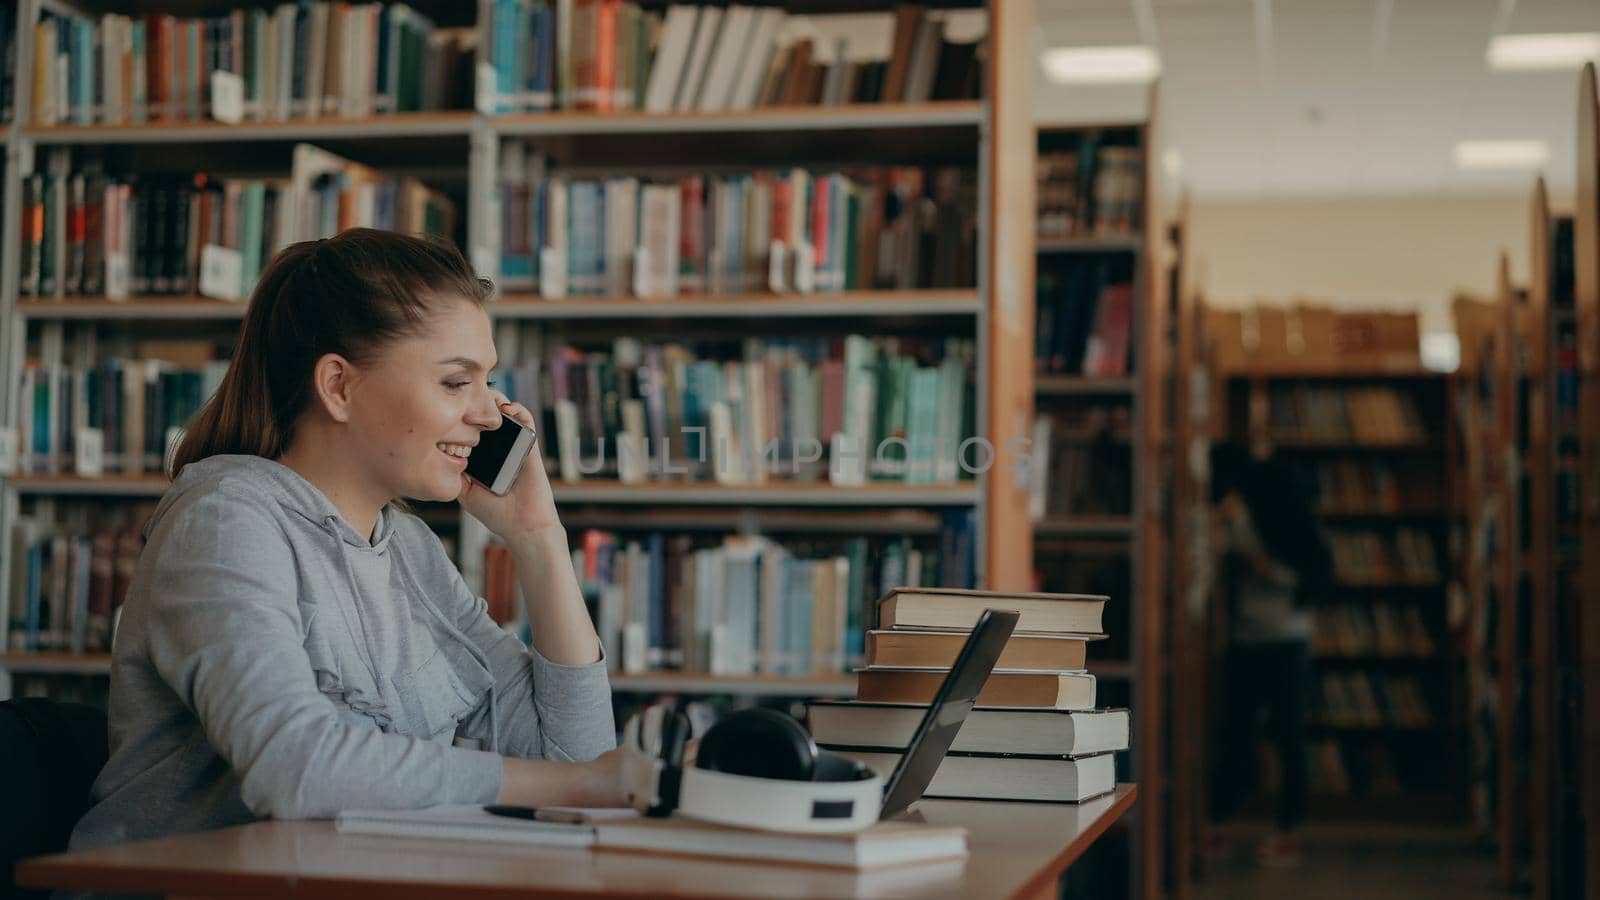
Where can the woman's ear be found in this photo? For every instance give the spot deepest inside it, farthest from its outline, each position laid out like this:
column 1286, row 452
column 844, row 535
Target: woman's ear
column 334, row 381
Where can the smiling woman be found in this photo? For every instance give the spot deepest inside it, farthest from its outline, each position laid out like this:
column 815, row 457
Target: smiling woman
column 293, row 643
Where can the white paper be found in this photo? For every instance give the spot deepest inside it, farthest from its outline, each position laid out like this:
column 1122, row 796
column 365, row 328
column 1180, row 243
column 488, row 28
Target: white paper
column 227, row 97
column 89, row 453
column 221, row 272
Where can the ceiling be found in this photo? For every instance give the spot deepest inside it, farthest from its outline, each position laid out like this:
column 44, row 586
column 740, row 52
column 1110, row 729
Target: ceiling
column 1281, row 98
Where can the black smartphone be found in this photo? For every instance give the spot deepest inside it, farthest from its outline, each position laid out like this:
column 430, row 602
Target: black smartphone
column 500, row 453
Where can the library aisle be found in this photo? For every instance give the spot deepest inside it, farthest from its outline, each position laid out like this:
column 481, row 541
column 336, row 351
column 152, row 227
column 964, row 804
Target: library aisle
column 1269, row 331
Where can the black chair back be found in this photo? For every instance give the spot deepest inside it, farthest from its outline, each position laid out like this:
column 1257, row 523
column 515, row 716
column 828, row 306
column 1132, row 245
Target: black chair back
column 50, row 754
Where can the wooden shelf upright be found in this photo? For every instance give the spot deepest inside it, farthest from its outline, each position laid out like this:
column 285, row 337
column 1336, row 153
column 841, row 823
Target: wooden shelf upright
column 1581, row 714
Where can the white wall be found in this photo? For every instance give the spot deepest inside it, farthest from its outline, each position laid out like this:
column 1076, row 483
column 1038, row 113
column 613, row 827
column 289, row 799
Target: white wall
column 1404, row 252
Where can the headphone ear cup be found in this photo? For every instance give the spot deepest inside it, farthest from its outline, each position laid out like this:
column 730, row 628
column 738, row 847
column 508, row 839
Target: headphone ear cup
column 834, row 767
column 759, row 743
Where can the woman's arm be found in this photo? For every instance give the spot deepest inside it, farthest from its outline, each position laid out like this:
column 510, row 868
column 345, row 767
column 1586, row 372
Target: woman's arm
column 557, row 617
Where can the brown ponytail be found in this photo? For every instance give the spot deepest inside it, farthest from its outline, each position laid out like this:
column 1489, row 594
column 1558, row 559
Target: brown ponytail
column 352, row 295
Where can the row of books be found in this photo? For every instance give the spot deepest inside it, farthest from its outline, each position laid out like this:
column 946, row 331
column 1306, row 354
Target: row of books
column 1362, row 699
column 739, row 604
column 757, row 410
column 290, row 61
column 725, row 233
column 1370, row 559
column 66, row 586
column 1374, row 486
column 1083, row 317
column 1372, row 414
column 1034, row 734
column 1096, row 189
column 604, row 55
column 118, row 415
column 1381, row 629
column 1083, row 463
column 91, row 233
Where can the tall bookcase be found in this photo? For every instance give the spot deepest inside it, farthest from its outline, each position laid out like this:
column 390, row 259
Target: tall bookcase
column 459, row 149
column 1112, row 422
column 1386, row 697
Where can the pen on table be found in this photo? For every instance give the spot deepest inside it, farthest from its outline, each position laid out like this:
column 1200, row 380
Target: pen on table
column 563, row 816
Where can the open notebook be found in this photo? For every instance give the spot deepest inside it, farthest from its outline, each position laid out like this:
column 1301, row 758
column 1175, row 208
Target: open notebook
column 470, row 822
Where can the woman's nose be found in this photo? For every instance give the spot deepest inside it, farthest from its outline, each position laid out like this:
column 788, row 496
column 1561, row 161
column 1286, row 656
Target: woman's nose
column 486, row 412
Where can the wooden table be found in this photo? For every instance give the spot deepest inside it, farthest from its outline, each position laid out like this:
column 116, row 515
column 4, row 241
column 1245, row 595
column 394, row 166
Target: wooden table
column 1017, row 850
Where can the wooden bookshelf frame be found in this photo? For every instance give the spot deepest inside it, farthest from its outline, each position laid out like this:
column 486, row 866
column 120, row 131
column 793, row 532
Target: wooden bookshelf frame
column 1144, row 531
column 1539, row 337
column 994, row 134
column 1586, row 260
column 1508, row 575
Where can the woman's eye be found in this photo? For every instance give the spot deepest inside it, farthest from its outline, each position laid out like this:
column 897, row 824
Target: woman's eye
column 456, row 385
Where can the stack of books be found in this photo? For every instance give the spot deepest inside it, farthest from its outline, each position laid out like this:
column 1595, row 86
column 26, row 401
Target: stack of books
column 1034, row 734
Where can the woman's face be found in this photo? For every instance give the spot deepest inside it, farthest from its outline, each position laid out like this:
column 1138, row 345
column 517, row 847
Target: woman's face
column 422, row 403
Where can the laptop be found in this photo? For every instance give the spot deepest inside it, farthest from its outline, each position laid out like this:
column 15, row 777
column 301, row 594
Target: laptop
column 951, row 705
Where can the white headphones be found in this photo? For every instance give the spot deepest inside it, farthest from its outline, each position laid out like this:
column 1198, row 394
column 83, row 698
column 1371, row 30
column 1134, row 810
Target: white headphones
column 756, row 768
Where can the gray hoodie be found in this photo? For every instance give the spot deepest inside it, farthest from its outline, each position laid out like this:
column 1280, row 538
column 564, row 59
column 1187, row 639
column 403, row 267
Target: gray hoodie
column 271, row 662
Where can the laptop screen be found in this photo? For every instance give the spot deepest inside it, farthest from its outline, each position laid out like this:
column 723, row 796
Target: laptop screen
column 949, row 709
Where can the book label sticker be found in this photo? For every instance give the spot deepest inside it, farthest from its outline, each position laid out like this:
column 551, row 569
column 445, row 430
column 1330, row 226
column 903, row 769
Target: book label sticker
column 635, row 642
column 805, row 268
column 552, row 273
column 227, row 97
column 8, row 452
column 117, row 276
column 89, row 453
column 221, row 272
column 777, row 265
column 485, row 96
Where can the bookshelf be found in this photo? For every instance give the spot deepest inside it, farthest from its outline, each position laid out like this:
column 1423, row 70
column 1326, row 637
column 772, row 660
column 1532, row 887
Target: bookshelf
column 1373, row 449
column 459, row 148
column 1579, row 718
column 1102, row 248
column 1487, row 483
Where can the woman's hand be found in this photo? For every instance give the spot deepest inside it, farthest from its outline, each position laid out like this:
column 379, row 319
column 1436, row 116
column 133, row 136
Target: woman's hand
column 529, row 506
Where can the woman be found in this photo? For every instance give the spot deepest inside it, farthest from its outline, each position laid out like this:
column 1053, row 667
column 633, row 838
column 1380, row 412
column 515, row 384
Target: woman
column 1274, row 555
column 294, row 643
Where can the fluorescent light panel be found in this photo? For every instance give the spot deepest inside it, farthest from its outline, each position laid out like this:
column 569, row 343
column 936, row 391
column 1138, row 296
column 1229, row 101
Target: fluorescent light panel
column 1501, row 154
column 1101, row 65
column 1564, row 50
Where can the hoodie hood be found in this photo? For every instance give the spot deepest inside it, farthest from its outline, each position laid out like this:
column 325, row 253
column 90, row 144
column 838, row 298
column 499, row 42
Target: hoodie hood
column 288, row 488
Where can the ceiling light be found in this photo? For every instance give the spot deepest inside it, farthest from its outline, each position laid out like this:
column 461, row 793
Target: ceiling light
column 1100, row 65
column 1501, row 154
column 1567, row 50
